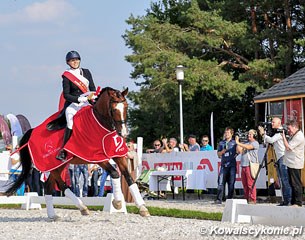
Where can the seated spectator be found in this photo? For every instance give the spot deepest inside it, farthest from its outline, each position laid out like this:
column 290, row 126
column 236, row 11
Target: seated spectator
column 171, row 145
column 205, row 144
column 157, row 147
column 193, row 145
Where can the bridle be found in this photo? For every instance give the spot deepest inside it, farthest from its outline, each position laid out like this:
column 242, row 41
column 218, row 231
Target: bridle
column 108, row 120
column 111, row 111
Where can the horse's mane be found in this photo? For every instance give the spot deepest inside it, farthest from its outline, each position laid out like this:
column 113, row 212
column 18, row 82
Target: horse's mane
column 107, row 89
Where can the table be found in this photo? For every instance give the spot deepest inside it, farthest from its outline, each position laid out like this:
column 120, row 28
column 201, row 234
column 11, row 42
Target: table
column 165, row 180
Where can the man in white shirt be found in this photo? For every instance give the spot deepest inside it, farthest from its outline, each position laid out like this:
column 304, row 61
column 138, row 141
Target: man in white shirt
column 294, row 159
column 282, row 171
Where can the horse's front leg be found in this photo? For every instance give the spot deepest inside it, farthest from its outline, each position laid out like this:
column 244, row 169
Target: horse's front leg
column 68, row 193
column 116, row 184
column 133, row 187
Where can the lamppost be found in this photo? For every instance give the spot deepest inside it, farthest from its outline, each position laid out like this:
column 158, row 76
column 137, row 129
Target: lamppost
column 180, row 78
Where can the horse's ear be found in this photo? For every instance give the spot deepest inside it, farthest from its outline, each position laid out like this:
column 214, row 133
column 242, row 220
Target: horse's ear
column 125, row 92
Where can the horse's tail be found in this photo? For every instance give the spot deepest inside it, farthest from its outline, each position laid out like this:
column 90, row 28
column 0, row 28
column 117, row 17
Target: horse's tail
column 26, row 163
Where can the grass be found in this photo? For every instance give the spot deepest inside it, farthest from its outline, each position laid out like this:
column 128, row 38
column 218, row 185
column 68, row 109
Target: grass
column 154, row 211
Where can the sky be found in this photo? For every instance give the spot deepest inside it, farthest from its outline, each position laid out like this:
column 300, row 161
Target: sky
column 35, row 37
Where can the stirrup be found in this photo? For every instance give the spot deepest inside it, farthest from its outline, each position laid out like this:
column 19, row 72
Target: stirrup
column 62, row 155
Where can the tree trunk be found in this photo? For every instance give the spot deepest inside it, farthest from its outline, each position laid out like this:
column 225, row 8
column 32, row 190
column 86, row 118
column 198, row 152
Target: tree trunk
column 289, row 39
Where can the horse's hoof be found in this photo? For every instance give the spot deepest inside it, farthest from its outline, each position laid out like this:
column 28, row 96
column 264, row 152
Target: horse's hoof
column 117, row 204
column 144, row 211
column 85, row 212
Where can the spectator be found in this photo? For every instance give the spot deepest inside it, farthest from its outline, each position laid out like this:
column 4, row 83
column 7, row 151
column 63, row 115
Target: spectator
column 226, row 151
column 104, row 176
column 157, row 147
column 171, row 145
column 249, row 152
column 132, row 161
column 193, row 145
column 81, row 169
column 16, row 168
column 34, row 183
column 94, row 170
column 279, row 149
column 205, row 144
column 72, row 177
column 294, row 160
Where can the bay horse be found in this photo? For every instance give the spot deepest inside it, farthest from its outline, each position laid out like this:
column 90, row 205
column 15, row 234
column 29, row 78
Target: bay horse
column 110, row 110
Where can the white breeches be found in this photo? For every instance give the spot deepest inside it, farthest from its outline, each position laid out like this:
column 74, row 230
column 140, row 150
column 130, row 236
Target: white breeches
column 71, row 110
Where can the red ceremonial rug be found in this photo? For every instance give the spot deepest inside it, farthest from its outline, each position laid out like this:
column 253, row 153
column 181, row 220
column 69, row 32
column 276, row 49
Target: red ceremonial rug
column 89, row 141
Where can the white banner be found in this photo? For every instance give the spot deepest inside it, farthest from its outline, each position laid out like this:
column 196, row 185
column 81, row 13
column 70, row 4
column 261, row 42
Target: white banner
column 207, row 161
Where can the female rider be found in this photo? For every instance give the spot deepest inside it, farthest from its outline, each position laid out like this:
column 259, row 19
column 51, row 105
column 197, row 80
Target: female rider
column 77, row 82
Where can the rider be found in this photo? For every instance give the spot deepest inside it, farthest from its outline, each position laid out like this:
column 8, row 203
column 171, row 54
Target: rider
column 76, row 83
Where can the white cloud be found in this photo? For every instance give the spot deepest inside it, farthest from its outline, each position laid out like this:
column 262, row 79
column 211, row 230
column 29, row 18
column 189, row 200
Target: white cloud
column 54, row 11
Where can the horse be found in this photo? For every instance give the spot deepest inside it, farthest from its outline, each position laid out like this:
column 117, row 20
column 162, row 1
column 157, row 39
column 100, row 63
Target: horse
column 110, row 110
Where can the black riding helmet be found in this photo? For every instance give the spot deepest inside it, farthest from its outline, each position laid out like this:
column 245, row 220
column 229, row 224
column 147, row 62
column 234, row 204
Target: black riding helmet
column 72, row 54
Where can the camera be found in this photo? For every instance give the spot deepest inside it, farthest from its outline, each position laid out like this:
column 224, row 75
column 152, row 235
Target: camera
column 243, row 136
column 280, row 130
column 271, row 131
column 268, row 128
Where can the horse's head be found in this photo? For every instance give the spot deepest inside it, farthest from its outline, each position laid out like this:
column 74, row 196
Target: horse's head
column 111, row 109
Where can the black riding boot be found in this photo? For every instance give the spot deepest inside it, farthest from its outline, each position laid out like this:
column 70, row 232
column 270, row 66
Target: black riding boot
column 62, row 154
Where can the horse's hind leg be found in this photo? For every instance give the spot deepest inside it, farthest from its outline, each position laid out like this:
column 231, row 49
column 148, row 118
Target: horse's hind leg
column 68, row 193
column 49, row 198
column 133, row 187
column 116, row 184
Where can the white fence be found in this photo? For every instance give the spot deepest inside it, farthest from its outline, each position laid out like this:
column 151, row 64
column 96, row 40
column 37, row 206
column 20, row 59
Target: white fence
column 238, row 211
column 31, row 200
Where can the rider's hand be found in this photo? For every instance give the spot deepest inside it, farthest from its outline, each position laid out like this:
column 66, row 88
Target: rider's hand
column 93, row 97
column 82, row 99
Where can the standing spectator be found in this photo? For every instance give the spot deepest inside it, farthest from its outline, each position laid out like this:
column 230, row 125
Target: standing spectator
column 157, row 147
column 16, row 168
column 72, row 177
column 227, row 153
column 94, row 170
column 193, row 145
column 294, row 160
column 132, row 162
column 104, row 176
column 249, row 152
column 81, row 169
column 34, row 183
column 205, row 144
column 170, row 146
column 279, row 149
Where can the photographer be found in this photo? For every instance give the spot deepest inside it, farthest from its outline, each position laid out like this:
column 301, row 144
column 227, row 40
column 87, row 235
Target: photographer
column 294, row 160
column 227, row 174
column 279, row 148
column 249, row 152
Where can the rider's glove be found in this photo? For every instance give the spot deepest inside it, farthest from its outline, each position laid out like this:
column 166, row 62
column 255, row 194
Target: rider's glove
column 93, row 97
column 82, row 99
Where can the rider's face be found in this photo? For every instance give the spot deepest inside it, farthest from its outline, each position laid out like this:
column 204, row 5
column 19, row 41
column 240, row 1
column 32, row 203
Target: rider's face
column 74, row 63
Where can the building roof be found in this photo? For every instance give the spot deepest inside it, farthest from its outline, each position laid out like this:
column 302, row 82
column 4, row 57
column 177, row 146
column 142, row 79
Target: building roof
column 291, row 87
